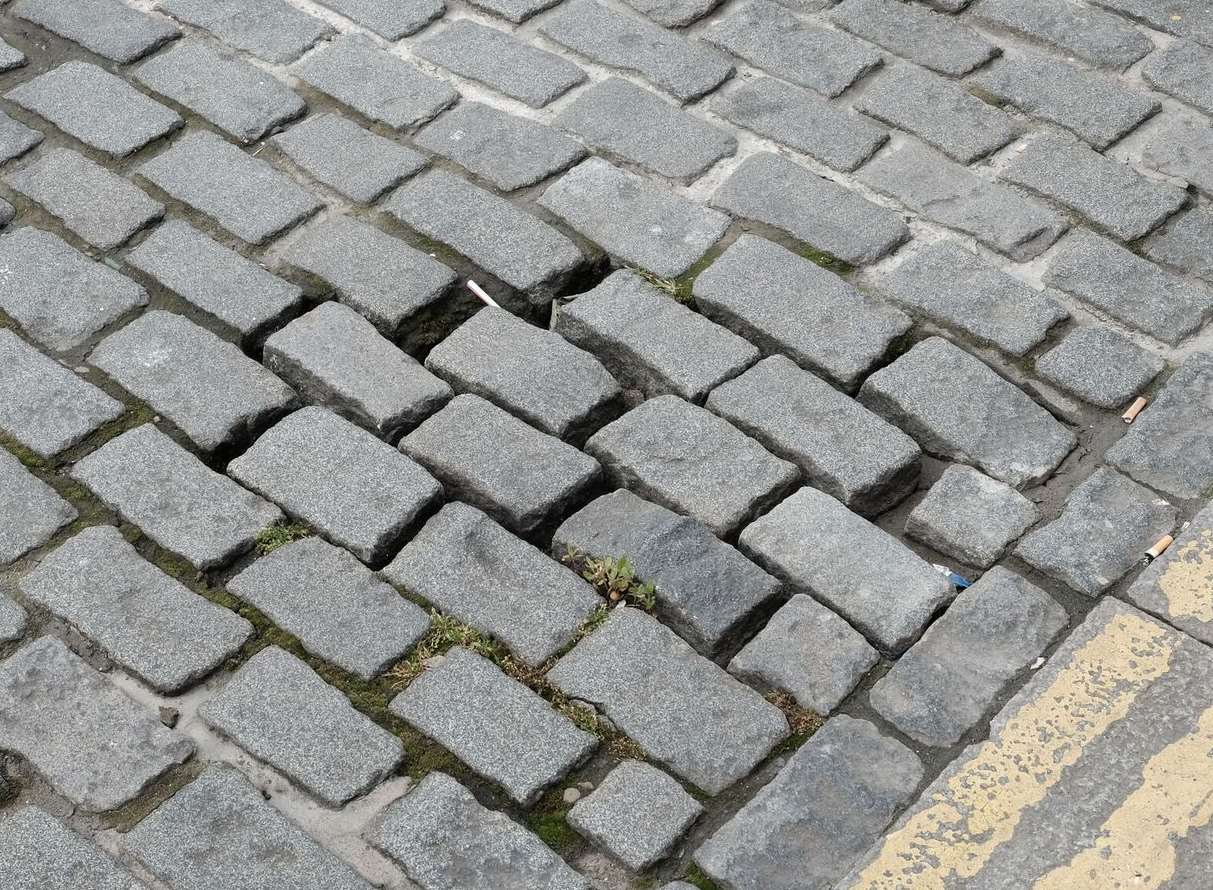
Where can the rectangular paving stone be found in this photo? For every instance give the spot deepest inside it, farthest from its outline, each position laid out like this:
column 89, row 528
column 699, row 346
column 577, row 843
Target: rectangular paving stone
column 768, row 36
column 100, row 207
column 649, row 341
column 942, row 687
column 1177, row 585
column 390, row 19
column 705, row 590
column 94, row 106
column 241, row 193
column 30, row 511
column 1094, row 36
column 469, row 567
column 234, row 290
column 146, row 621
column 1183, row 18
column 57, row 294
column 1185, row 71
column 1100, row 366
column 445, row 840
column 530, row 371
column 787, row 304
column 498, row 60
column 37, row 850
column 521, row 477
column 655, row 689
column 211, row 390
column 863, row 573
column 494, row 724
column 509, row 152
column 334, row 357
column 840, row 446
column 175, row 499
column 13, row 620
column 110, row 28
column 272, row 30
column 1141, row 294
column 786, row 838
column 1111, row 195
column 10, row 57
column 92, row 744
column 15, row 138
column 1186, row 242
column 244, row 101
column 280, row 711
column 354, row 489
column 926, row 38
column 959, row 409
column 333, row 604
column 773, row 190
column 516, row 11
column 801, row 120
column 686, row 69
column 632, row 124
column 1182, row 147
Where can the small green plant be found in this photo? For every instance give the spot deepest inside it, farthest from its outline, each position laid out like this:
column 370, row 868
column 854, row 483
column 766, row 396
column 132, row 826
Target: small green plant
column 826, row 261
column 614, row 578
column 444, row 634
column 677, row 288
column 279, row 535
column 696, row 878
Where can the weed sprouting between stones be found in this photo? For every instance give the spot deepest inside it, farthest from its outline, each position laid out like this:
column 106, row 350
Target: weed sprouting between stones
column 613, row 577
column 279, row 535
column 678, row 288
column 802, row 721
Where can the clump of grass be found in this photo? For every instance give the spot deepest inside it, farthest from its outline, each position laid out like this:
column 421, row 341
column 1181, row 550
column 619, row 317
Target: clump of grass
column 444, row 634
column 614, row 578
column 678, row 288
column 279, row 535
column 802, row 721
column 696, row 878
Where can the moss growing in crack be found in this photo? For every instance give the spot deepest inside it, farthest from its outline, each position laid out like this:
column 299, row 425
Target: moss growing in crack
column 696, row 878
column 29, row 458
column 444, row 634
column 679, row 289
column 802, row 721
column 553, row 829
column 826, row 260
column 279, row 535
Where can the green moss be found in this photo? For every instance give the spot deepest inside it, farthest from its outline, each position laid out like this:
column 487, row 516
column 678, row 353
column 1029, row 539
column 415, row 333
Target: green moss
column 131, row 814
column 279, row 535
column 826, row 260
column 696, row 878
column 548, row 820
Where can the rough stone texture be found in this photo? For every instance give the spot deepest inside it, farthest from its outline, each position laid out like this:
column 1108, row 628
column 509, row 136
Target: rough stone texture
column 648, row 226
column 1115, row 280
column 1091, row 35
column 808, row 651
column 1111, row 195
column 1106, row 524
column 839, row 446
column 649, row 341
column 30, row 512
column 1185, row 242
column 689, row 460
column 787, row 304
column 446, row 840
column 1100, row 365
column 94, row 106
column 15, row 138
column 100, row 207
column 1178, row 586
column 333, row 604
column 970, row 517
column 1182, row 147
column 206, row 386
column 656, row 689
column 38, row 851
column 280, row 711
column 109, row 28
column 10, row 57
column 7, row 212
column 521, row 477
column 773, row 190
column 272, row 30
column 334, row 357
column 390, row 19
column 173, row 498
column 354, row 489
column 805, row 828
column 705, row 589
column 243, row 194
column 1185, row 71
column 13, row 620
column 1183, row 18
column 637, row 814
column 243, row 100
column 860, row 571
column 959, row 409
column 92, row 743
column 355, row 162
column 949, row 284
column 532, row 372
column 942, row 687
column 509, row 152
column 516, row 11
column 149, row 623
column 934, row 41
column 498, row 727
column 674, row 13
column 219, row 831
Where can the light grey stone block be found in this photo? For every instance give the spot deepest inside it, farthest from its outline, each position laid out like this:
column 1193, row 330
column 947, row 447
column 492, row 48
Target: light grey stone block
column 1182, row 18
column 1176, row 585
column 272, row 30
column 934, row 41
column 1100, row 366
column 39, row 851
column 13, row 620
column 1185, row 71
column 1183, row 147
column 109, row 28
column 16, row 138
column 30, row 512
column 516, row 11
column 1185, row 242
column 390, row 19
column 10, row 57
column 1090, row 34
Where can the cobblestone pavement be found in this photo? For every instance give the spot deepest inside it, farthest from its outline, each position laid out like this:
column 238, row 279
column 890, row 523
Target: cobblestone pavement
column 315, row 572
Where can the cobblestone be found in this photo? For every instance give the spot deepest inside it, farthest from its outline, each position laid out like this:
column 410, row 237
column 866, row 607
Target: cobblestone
column 1182, row 147
column 272, row 30
column 390, row 19
column 926, row 38
column 32, row 512
column 10, row 57
column 40, row 851
column 1185, row 71
column 1175, row 586
column 16, row 138
column 1100, row 366
column 109, row 28
column 1186, row 242
column 1093, row 36
column 1182, row 18
column 13, row 620
column 516, row 11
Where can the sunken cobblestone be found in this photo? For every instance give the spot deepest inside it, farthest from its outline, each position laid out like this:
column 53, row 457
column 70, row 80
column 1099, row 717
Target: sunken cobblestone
column 30, row 513
column 272, row 30
column 1100, row 366
column 390, row 19
column 1091, row 35
column 1185, row 71
column 934, row 41
column 109, row 28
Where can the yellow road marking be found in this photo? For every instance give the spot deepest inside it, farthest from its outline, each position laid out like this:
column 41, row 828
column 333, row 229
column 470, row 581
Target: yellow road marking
column 1187, row 582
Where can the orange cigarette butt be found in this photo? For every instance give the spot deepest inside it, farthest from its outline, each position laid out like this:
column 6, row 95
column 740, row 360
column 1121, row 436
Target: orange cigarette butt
column 1160, row 547
column 1136, row 408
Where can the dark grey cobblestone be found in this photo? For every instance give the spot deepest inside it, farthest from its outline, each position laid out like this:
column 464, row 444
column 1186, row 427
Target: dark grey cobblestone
column 934, row 41
column 1185, row 242
column 1100, row 365
column 1185, row 71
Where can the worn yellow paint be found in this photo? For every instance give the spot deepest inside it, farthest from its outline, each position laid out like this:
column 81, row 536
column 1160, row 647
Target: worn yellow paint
column 978, row 809
column 1187, row 581
column 1136, row 845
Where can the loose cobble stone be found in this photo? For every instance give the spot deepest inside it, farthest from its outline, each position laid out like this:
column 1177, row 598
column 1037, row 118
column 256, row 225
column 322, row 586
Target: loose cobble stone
column 92, row 743
column 934, row 41
column 390, row 19
column 1186, row 242
column 351, row 487
column 471, row 568
column 280, row 711
column 98, row 206
column 705, row 590
column 1101, row 366
column 333, row 604
column 149, row 623
column 205, row 385
column 272, row 30
column 10, row 57
column 674, row 13
column 15, row 138
column 788, row 838
column 1185, row 71
column 930, row 392
column 656, row 689
column 1093, row 36
column 109, row 28
column 1182, row 147
column 940, row 689
column 649, row 341
column 689, row 460
column 173, row 498
column 773, row 190
column 40, row 851
column 94, row 106
column 684, row 68
column 241, row 193
column 808, row 651
column 30, row 514
column 1176, row 585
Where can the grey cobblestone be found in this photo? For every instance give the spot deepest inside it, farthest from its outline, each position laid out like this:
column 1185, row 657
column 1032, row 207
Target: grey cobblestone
column 30, row 513
column 1101, row 366
column 1185, row 71
column 10, row 57
column 16, row 138
column 1184, row 18
column 109, row 28
column 390, row 19
column 1185, row 242
column 1172, row 586
column 926, row 38
column 674, row 13
column 1091, row 35
column 13, row 620
column 1182, row 147
column 40, row 851
column 272, row 30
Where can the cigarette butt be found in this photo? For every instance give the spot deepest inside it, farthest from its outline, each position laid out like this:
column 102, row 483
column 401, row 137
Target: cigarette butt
column 1139, row 405
column 1160, row 547
column 483, row 297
